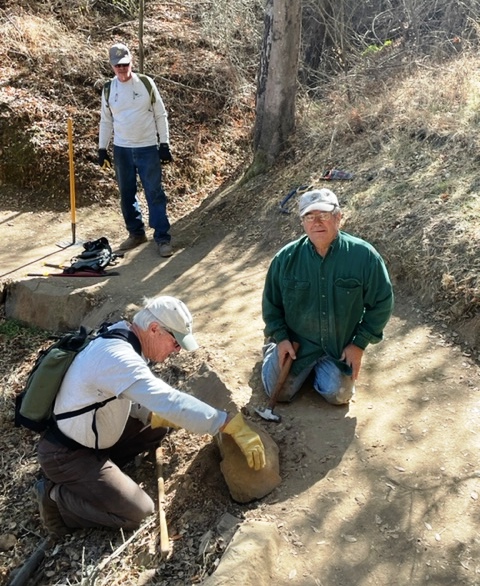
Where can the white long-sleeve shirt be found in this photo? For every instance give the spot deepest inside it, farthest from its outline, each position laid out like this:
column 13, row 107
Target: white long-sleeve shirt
column 111, row 368
column 131, row 117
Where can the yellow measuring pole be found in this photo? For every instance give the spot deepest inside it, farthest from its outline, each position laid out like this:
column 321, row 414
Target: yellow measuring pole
column 72, row 179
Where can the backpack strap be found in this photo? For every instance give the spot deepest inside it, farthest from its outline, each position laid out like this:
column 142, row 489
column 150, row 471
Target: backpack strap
column 143, row 78
column 119, row 334
column 148, row 86
column 106, row 90
column 86, row 409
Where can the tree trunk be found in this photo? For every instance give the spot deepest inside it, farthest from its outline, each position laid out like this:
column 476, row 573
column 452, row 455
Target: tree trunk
column 141, row 53
column 277, row 81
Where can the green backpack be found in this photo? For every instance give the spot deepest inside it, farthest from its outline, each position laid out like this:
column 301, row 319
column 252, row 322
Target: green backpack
column 34, row 405
column 143, row 78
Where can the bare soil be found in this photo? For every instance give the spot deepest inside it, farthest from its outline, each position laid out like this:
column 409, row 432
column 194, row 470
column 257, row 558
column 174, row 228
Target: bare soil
column 384, row 491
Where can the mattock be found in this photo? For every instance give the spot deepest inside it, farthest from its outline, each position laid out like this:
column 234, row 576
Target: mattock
column 267, row 413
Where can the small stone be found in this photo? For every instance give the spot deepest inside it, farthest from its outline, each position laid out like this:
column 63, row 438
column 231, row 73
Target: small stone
column 7, row 541
column 227, row 526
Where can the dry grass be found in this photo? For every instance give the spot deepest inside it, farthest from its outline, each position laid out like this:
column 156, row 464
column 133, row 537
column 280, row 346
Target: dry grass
column 40, row 40
column 413, row 145
column 54, row 69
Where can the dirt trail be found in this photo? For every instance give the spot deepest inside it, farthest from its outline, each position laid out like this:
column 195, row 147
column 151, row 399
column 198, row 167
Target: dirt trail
column 383, row 492
column 386, row 491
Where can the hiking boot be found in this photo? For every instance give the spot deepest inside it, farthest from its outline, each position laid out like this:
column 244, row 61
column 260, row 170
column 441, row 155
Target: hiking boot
column 165, row 249
column 49, row 513
column 132, row 242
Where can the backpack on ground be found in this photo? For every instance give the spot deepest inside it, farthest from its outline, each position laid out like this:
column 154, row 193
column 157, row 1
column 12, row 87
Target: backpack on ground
column 97, row 255
column 34, row 405
column 143, row 78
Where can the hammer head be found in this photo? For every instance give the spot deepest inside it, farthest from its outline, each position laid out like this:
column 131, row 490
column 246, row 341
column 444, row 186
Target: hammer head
column 268, row 415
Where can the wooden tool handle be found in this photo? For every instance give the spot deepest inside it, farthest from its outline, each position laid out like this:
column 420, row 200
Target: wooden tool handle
column 164, row 541
column 282, row 377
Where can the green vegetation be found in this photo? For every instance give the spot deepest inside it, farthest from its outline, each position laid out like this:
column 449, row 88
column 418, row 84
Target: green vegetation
column 11, row 328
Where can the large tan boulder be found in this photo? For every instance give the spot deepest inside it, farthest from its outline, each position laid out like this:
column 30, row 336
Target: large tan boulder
column 244, row 484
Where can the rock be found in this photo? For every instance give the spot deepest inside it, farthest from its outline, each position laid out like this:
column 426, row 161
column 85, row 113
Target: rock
column 244, row 483
column 214, row 541
column 7, row 541
column 50, row 304
column 227, row 526
column 249, row 558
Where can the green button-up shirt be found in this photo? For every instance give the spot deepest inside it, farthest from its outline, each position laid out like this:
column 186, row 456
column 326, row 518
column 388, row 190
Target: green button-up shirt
column 327, row 303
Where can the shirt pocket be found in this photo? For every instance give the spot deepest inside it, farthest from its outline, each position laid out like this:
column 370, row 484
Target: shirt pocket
column 348, row 299
column 299, row 306
column 296, row 292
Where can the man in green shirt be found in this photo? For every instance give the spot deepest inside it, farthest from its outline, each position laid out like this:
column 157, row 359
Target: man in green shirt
column 330, row 292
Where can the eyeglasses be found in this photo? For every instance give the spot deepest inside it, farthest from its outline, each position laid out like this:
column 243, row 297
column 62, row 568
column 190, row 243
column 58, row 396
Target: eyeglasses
column 121, row 65
column 318, row 217
column 169, row 332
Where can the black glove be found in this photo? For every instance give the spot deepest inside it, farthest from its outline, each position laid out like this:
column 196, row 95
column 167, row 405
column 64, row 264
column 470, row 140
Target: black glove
column 104, row 159
column 164, row 153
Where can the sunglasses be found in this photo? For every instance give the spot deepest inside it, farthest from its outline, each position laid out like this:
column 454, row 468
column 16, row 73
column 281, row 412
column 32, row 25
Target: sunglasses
column 122, row 65
column 168, row 331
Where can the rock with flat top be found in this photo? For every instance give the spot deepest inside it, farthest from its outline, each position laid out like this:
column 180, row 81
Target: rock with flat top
column 249, row 559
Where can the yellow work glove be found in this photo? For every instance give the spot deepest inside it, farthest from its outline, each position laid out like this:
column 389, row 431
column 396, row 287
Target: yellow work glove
column 247, row 440
column 157, row 420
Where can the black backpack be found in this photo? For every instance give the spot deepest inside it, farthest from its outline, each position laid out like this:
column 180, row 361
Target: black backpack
column 96, row 256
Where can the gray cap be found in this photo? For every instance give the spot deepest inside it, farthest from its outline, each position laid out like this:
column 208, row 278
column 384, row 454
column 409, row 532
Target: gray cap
column 119, row 54
column 322, row 200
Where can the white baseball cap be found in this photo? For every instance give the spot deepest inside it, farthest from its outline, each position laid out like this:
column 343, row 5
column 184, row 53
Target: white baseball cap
column 173, row 315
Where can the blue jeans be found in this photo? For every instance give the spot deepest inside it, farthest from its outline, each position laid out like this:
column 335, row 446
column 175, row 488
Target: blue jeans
column 329, row 381
column 144, row 161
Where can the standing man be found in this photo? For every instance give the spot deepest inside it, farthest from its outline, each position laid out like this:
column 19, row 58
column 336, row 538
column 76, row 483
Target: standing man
column 82, row 455
column 133, row 112
column 330, row 292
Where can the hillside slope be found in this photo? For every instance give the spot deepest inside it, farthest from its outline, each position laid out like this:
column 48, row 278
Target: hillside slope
column 408, row 133
column 384, row 492
column 54, row 65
